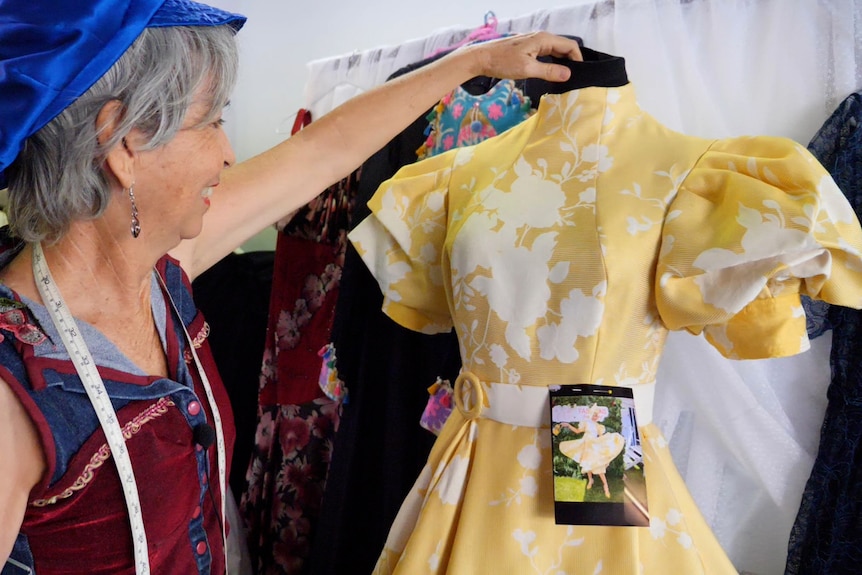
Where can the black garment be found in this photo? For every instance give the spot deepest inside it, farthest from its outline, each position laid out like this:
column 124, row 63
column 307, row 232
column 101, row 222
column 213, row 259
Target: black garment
column 234, row 297
column 827, row 535
column 596, row 69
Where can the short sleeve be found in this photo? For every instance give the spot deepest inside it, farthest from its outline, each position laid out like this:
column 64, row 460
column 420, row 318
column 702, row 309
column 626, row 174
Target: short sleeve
column 757, row 223
column 402, row 243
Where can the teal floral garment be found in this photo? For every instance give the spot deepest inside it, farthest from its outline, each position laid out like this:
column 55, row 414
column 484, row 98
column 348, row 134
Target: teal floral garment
column 463, row 119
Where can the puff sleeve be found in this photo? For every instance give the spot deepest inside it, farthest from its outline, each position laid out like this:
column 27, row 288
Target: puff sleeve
column 756, row 223
column 402, row 243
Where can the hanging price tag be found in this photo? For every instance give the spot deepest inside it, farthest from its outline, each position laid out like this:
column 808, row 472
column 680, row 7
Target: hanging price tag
column 597, row 457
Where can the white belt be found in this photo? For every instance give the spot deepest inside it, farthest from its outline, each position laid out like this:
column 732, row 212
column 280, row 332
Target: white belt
column 527, row 405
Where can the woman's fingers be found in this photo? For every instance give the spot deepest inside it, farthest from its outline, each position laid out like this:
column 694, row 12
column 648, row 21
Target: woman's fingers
column 517, row 56
column 560, row 46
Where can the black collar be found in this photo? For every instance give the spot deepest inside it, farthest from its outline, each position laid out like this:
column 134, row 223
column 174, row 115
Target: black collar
column 597, row 69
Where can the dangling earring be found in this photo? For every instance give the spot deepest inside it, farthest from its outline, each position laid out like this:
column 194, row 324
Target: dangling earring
column 136, row 224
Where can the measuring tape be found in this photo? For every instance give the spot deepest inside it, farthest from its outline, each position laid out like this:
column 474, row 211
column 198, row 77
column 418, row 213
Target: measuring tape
column 95, row 388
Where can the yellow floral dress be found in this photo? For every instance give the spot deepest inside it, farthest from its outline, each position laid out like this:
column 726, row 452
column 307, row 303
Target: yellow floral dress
column 562, row 251
column 595, row 450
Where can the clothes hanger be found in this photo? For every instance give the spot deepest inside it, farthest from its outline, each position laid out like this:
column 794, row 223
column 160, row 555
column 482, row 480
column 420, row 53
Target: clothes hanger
column 301, row 119
column 288, row 125
column 487, row 31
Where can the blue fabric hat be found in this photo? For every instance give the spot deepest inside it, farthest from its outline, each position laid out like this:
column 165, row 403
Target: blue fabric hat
column 52, row 51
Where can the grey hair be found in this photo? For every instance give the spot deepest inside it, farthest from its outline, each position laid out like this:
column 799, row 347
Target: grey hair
column 59, row 175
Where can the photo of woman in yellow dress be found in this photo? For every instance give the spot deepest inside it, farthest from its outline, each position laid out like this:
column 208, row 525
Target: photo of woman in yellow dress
column 596, row 449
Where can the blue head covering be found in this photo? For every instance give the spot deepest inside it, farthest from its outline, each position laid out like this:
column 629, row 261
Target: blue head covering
column 52, row 51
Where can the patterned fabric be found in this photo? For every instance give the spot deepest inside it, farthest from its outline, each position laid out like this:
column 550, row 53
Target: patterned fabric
column 463, row 119
column 76, row 519
column 595, row 450
column 816, row 316
column 14, row 319
column 296, row 422
column 827, row 533
column 561, row 252
column 330, row 384
column 292, row 451
column 460, row 119
column 439, row 406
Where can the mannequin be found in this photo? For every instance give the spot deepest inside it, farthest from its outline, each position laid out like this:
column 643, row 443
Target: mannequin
column 561, row 252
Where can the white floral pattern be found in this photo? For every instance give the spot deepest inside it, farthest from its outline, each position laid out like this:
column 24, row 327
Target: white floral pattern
column 561, row 251
column 530, row 459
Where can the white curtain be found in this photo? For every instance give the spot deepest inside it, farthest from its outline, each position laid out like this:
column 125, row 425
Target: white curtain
column 743, row 434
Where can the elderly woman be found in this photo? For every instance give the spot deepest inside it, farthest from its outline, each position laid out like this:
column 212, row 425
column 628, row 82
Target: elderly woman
column 114, row 427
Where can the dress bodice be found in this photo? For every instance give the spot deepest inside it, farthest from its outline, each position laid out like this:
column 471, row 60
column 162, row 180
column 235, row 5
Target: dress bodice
column 562, row 250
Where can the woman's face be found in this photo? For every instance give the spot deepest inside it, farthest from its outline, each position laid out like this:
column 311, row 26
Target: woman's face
column 173, row 183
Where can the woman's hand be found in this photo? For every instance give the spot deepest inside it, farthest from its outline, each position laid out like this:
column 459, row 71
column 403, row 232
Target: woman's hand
column 515, row 57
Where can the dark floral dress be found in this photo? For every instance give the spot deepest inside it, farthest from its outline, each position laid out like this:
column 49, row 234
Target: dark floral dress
column 296, row 419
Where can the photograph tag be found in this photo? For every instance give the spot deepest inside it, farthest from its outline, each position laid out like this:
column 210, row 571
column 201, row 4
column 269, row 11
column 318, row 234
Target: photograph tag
column 597, row 457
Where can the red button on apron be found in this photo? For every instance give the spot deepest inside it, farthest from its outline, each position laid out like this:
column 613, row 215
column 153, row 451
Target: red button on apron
column 201, row 548
column 194, row 408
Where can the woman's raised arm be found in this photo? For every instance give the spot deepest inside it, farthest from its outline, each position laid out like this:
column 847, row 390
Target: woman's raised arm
column 258, row 192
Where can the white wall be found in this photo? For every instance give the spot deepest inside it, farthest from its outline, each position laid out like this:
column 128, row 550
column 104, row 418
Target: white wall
column 282, row 36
